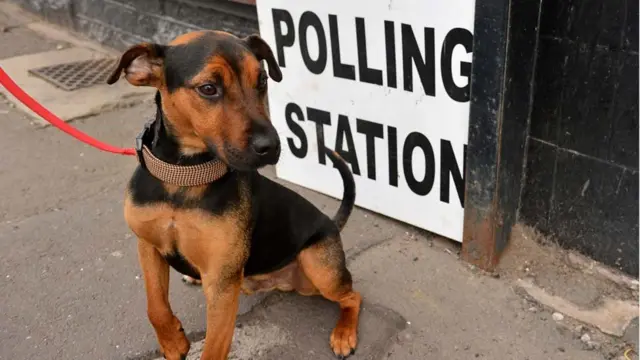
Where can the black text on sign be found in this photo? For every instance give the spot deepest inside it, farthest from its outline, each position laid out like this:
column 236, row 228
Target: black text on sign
column 387, row 86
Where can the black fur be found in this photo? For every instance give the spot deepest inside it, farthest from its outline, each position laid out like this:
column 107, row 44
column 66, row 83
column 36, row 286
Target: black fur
column 183, row 62
column 178, row 262
column 282, row 222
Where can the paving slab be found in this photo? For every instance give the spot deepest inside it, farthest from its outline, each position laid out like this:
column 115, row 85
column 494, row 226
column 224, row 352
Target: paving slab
column 453, row 312
column 46, row 169
column 420, row 303
column 15, row 36
column 68, row 105
column 11, row 16
column 292, row 327
column 631, row 335
column 22, row 41
column 612, row 317
column 72, row 287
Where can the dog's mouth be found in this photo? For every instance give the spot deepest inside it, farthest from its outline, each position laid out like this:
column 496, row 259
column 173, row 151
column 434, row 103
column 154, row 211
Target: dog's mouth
column 245, row 160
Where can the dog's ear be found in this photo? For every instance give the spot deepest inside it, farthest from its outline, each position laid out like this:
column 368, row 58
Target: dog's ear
column 142, row 65
column 262, row 51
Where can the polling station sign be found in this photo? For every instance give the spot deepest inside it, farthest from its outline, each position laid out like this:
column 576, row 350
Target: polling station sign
column 385, row 84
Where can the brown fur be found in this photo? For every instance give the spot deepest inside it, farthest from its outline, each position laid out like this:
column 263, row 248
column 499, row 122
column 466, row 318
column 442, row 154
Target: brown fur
column 155, row 272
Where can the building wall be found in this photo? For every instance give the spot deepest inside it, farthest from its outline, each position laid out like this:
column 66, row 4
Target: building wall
column 582, row 175
column 121, row 23
column 582, row 163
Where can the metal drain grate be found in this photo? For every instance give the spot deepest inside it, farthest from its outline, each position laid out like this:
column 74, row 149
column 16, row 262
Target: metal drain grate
column 76, row 75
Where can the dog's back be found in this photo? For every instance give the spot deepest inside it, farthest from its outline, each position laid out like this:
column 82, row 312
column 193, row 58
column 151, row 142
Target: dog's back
column 285, row 223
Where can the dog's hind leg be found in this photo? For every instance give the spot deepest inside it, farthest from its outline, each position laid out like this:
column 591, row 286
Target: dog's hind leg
column 325, row 266
column 173, row 342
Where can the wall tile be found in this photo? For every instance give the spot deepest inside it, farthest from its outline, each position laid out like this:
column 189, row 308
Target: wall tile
column 119, row 16
column 588, row 101
column 595, row 209
column 630, row 39
column 623, row 147
column 554, row 21
column 536, row 195
column 548, row 89
column 597, row 22
column 153, row 6
column 590, row 22
column 107, row 35
column 208, row 18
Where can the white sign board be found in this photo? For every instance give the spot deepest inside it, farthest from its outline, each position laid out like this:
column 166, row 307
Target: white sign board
column 385, row 84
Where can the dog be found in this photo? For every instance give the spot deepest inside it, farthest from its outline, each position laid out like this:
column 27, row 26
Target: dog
column 197, row 203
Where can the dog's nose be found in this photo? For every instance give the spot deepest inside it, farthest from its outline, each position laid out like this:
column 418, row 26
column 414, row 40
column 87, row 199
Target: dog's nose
column 263, row 145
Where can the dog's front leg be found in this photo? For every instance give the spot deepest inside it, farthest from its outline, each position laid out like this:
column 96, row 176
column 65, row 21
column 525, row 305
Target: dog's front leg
column 222, row 291
column 173, row 342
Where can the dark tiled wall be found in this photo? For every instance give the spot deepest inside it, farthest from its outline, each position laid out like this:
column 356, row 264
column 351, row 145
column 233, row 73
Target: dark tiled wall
column 582, row 176
column 121, row 23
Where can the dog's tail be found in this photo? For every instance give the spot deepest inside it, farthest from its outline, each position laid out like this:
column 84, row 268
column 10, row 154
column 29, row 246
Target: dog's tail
column 349, row 193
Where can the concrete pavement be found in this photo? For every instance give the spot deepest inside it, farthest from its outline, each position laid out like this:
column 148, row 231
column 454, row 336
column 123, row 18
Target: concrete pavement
column 71, row 286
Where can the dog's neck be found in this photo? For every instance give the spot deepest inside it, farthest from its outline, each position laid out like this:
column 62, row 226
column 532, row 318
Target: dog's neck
column 165, row 145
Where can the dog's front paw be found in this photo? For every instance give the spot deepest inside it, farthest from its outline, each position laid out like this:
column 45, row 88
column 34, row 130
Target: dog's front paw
column 191, row 281
column 344, row 340
column 174, row 346
column 182, row 357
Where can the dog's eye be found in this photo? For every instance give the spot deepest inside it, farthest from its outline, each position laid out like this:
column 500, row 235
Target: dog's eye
column 208, row 91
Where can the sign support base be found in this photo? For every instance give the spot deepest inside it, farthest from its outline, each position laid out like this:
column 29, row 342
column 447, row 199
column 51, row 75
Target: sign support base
column 504, row 59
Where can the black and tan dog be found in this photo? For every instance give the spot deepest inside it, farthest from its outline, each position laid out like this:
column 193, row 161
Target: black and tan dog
column 241, row 232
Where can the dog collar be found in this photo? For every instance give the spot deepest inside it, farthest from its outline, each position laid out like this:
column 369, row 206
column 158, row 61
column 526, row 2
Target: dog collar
column 181, row 175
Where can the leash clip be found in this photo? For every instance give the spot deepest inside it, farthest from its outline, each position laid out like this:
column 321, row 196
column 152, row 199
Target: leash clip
column 140, row 143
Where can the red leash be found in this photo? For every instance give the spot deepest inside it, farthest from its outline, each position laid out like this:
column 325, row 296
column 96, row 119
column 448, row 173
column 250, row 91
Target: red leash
column 14, row 89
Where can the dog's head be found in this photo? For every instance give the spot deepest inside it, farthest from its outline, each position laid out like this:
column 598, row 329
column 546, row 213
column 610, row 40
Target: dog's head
column 213, row 91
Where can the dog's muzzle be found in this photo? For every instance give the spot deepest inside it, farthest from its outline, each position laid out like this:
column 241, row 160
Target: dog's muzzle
column 264, row 144
column 263, row 148
column 266, row 148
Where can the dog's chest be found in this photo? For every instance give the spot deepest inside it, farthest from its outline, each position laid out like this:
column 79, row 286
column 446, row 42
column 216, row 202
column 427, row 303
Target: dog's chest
column 169, row 228
column 166, row 215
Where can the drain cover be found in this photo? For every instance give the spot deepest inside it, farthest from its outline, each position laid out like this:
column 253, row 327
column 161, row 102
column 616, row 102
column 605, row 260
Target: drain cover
column 75, row 75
